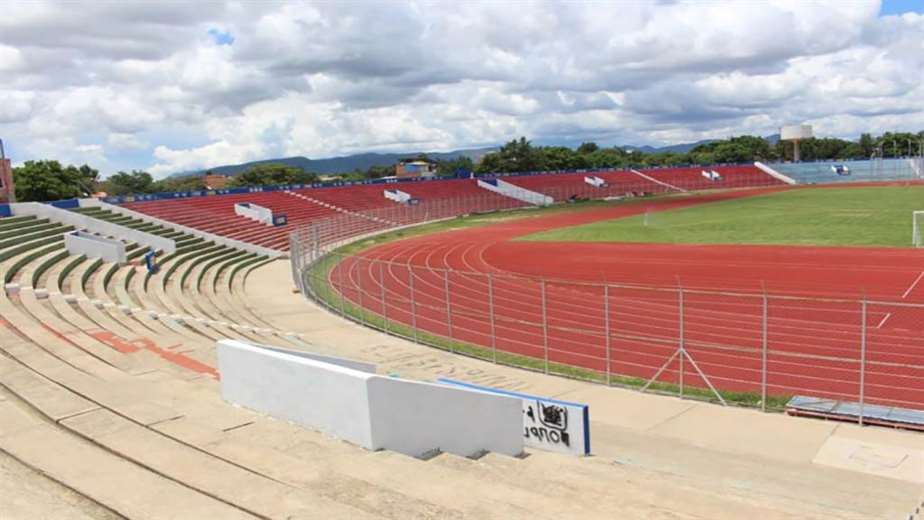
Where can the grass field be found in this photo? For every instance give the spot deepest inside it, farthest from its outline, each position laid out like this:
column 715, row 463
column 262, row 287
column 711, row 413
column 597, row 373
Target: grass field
column 873, row 216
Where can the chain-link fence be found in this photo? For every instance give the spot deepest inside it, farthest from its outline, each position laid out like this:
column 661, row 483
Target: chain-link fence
column 757, row 349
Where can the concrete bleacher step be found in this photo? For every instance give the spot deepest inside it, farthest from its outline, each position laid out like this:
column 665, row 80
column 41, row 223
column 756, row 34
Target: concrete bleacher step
column 405, row 483
column 204, row 297
column 70, row 315
column 93, row 472
column 207, row 474
column 135, row 443
column 126, row 329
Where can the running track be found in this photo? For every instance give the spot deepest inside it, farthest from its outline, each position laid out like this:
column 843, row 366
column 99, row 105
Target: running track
column 813, row 346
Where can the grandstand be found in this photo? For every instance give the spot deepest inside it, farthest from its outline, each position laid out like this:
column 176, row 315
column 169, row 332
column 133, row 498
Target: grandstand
column 108, row 375
column 876, row 170
column 437, row 198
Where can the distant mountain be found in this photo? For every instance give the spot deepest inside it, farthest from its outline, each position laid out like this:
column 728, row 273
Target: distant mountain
column 344, row 164
column 686, row 147
column 676, row 148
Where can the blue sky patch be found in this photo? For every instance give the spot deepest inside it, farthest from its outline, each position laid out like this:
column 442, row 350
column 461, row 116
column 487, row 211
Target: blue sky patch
column 221, row 37
column 901, row 6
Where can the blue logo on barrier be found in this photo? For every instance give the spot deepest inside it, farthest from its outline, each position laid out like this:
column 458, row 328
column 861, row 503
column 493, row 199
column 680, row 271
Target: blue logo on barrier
column 548, row 424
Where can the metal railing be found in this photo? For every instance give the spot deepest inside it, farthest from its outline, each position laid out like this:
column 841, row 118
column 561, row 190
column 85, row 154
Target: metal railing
column 756, row 348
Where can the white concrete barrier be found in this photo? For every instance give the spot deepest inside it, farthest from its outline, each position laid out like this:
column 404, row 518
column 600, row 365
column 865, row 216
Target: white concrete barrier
column 372, row 411
column 218, row 239
column 773, row 173
column 397, row 196
column 656, row 181
column 515, row 192
column 548, row 424
column 595, row 181
column 254, row 212
column 94, row 246
column 93, row 225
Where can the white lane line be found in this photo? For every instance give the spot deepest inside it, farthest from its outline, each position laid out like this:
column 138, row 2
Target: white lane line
column 913, row 285
column 884, row 318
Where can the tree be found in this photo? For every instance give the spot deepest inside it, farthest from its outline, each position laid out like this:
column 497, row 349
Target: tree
column 88, row 180
column 867, row 145
column 559, row 158
column 377, row 172
column 123, row 183
column 449, row 167
column 518, row 155
column 607, row 158
column 587, row 148
column 187, row 183
column 42, row 181
column 267, row 174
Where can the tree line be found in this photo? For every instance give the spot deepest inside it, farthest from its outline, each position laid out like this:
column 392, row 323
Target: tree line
column 47, row 180
column 520, row 155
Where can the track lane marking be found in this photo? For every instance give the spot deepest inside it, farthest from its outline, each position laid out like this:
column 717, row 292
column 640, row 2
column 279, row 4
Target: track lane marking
column 913, row 285
column 884, row 319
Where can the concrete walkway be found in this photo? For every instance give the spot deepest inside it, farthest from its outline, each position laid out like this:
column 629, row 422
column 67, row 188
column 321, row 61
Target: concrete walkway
column 799, row 467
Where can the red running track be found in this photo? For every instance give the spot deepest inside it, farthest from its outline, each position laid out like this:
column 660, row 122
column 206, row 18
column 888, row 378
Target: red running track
column 468, row 282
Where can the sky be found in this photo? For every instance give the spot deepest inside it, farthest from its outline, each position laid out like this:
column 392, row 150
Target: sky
column 169, row 86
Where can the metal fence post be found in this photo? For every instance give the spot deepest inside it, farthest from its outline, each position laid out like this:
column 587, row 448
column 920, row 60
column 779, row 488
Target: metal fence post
column 545, row 327
column 683, row 352
column 863, row 307
column 606, row 327
column 382, row 294
column 342, row 295
column 359, row 285
column 763, row 357
column 491, row 317
column 410, row 278
column 448, row 306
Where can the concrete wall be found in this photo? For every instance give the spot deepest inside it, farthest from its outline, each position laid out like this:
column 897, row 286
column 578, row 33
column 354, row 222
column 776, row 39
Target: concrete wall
column 372, row 411
column 310, row 393
column 93, row 246
column 397, row 195
column 94, row 225
column 410, row 416
column 237, row 244
column 773, row 173
column 595, row 181
column 255, row 212
column 362, row 366
column 516, row 192
column 547, row 424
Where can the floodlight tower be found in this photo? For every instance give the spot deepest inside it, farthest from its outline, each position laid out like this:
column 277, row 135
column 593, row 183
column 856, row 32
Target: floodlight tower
column 795, row 133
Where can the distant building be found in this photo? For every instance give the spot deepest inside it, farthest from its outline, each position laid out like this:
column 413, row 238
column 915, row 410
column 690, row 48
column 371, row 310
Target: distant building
column 408, row 168
column 7, row 188
column 214, row 181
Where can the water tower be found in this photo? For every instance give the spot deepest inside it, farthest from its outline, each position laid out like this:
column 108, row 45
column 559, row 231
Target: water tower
column 795, row 133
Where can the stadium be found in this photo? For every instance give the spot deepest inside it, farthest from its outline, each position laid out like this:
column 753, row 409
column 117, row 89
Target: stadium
column 473, row 260
column 643, row 284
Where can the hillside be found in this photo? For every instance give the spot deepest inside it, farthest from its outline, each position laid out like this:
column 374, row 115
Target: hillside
column 343, row 164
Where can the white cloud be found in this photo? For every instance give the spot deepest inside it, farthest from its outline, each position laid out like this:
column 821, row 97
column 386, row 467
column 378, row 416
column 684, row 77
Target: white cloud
column 15, row 105
column 322, row 79
column 126, row 142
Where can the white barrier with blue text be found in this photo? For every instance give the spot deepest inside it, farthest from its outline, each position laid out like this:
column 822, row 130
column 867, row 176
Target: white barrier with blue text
column 548, row 424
